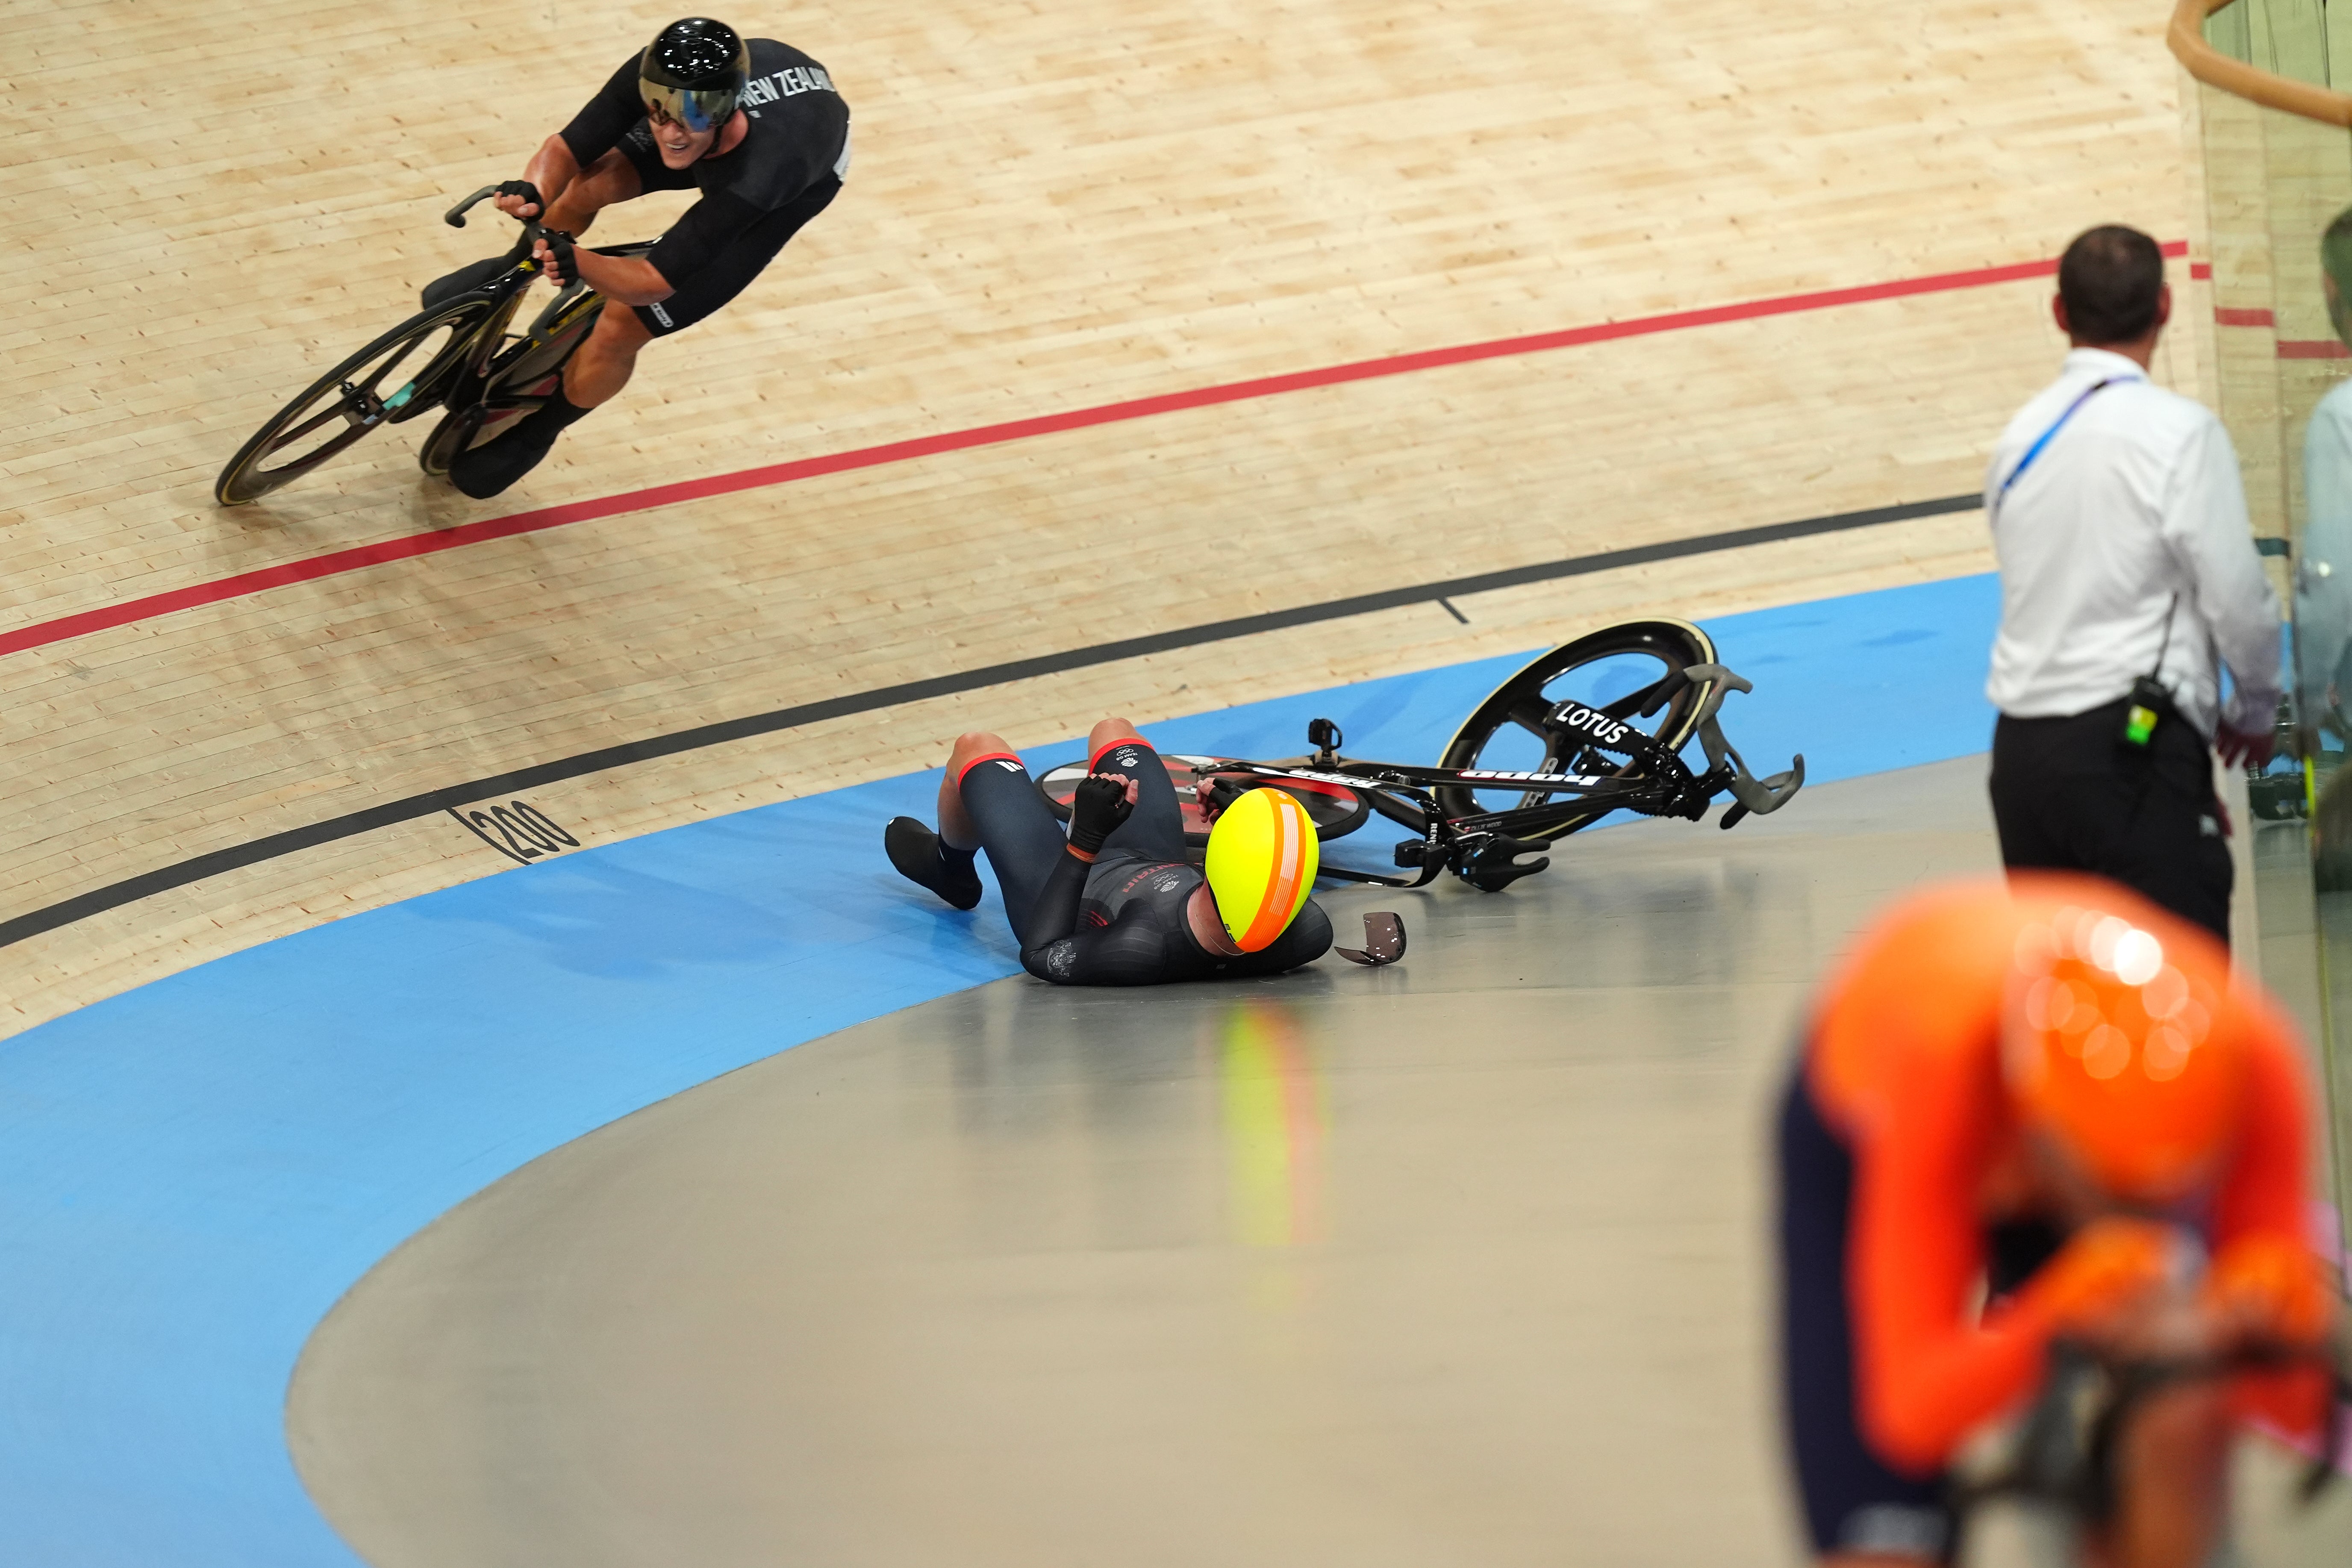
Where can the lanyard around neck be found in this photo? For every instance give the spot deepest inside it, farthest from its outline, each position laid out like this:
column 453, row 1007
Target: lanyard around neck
column 2057, row 425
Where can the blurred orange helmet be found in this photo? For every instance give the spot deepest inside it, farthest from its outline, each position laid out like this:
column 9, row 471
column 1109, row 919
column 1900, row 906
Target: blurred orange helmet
column 2110, row 1048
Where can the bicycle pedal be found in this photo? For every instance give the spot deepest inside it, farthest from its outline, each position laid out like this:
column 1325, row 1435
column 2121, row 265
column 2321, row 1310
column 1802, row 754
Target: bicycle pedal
column 1494, row 865
column 1494, row 878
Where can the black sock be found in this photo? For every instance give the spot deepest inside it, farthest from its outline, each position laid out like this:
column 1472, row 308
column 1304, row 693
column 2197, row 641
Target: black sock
column 483, row 471
column 558, row 411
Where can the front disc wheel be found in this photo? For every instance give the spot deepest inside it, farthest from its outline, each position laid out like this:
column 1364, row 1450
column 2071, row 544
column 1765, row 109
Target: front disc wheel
column 1613, row 669
column 398, row 376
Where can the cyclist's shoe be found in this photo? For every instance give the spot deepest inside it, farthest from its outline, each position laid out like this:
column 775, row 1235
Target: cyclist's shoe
column 473, row 274
column 923, row 859
column 483, row 471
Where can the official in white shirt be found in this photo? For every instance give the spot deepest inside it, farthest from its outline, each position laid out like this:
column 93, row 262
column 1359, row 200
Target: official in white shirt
column 2128, row 577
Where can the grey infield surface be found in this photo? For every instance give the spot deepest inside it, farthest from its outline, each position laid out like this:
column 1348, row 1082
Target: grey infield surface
column 1459, row 1262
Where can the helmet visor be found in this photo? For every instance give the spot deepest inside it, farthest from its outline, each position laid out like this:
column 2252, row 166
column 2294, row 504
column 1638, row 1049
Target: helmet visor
column 697, row 109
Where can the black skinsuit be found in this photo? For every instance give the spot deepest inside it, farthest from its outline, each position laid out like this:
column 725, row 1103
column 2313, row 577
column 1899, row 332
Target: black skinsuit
column 1121, row 920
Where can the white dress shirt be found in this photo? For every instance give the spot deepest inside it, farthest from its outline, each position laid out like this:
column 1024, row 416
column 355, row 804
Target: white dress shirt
column 2132, row 508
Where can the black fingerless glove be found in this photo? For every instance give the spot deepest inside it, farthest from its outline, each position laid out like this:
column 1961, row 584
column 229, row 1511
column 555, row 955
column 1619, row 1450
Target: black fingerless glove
column 527, row 191
column 564, row 270
column 1096, row 812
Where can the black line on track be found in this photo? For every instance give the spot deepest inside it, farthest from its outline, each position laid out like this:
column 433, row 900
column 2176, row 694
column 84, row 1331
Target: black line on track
column 352, row 823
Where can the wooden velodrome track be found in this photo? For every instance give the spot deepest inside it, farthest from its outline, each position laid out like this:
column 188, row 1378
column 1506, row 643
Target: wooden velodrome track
column 1053, row 209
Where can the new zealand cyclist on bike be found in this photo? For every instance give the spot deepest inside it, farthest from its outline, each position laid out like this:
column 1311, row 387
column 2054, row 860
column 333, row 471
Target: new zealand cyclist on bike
column 2024, row 1112
column 1117, row 901
column 757, row 126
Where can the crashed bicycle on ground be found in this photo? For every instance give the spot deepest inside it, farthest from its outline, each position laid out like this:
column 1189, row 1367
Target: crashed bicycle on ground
column 1594, row 726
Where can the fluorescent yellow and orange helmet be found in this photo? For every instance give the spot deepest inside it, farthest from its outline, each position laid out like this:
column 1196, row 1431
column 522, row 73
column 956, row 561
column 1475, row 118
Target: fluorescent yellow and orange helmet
column 1263, row 854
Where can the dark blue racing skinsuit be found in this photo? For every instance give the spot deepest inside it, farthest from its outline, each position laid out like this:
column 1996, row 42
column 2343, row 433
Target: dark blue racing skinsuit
column 1121, row 920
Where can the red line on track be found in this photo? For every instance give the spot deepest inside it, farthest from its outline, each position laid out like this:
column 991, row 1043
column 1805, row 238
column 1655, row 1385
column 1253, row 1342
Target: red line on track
column 335, row 563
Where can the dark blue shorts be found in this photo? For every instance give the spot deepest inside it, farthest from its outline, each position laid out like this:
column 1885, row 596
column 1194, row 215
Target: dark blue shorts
column 1854, row 1501
column 1024, row 839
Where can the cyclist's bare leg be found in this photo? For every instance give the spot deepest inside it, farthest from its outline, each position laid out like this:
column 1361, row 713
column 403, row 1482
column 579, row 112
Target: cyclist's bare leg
column 2170, row 1479
column 1111, row 733
column 603, row 364
column 957, row 829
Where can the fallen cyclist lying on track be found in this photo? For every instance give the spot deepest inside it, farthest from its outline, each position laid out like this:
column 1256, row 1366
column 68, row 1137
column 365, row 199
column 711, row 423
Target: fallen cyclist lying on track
column 1589, row 729
column 1117, row 901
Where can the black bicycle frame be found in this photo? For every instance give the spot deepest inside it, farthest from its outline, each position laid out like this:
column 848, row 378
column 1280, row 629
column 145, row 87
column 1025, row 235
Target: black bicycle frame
column 2065, row 1448
column 494, row 364
column 1484, row 846
column 1657, row 783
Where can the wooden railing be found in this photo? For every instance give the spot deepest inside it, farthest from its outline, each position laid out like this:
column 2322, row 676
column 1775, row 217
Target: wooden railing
column 2210, row 66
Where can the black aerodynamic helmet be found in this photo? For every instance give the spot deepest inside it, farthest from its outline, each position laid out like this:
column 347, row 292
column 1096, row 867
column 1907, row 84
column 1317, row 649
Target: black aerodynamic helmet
column 693, row 72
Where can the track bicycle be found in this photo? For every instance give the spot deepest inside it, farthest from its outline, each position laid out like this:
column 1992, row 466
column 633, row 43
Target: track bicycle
column 2064, row 1451
column 1594, row 726
column 456, row 356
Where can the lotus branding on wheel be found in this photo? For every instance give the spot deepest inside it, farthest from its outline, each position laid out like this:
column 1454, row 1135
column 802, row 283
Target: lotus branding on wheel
column 1590, row 721
column 1671, row 690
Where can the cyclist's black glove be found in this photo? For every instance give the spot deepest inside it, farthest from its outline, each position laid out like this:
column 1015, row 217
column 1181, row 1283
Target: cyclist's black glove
column 562, row 269
column 1096, row 812
column 1215, row 795
column 527, row 191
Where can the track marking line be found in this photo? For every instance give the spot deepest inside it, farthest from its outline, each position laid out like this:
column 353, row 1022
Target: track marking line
column 335, row 563
column 520, row 781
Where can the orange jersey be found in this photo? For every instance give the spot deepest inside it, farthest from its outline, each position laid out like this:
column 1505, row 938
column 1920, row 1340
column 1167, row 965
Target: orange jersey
column 1904, row 1062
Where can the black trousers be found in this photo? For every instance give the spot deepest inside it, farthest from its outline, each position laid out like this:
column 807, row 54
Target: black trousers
column 2068, row 794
